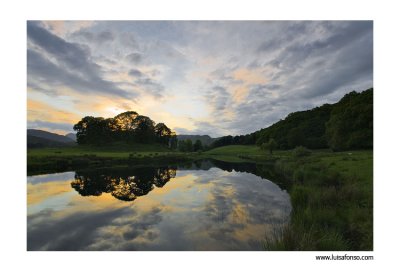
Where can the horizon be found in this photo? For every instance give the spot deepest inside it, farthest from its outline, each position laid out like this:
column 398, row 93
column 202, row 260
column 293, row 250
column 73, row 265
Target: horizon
column 198, row 77
column 73, row 132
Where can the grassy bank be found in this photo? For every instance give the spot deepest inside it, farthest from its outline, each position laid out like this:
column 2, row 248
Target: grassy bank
column 110, row 151
column 331, row 192
column 332, row 200
column 331, row 195
column 47, row 160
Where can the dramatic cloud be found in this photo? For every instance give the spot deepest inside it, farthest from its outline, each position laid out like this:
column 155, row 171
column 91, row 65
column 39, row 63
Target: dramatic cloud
column 306, row 65
column 216, row 78
column 72, row 65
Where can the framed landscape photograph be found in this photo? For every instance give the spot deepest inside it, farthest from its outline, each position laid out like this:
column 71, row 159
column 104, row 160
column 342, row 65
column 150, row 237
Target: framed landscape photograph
column 200, row 135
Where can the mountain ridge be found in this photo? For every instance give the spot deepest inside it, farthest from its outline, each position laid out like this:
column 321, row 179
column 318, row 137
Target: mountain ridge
column 37, row 138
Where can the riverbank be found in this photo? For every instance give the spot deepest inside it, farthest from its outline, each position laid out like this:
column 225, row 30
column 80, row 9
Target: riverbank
column 331, row 192
column 331, row 195
column 52, row 160
column 332, row 200
column 48, row 160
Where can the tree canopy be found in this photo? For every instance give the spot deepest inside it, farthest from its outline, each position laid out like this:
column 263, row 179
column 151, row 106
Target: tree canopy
column 129, row 127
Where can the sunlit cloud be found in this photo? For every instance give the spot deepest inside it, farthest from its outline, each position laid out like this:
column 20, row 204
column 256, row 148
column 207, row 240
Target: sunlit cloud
column 45, row 112
column 249, row 76
column 63, row 27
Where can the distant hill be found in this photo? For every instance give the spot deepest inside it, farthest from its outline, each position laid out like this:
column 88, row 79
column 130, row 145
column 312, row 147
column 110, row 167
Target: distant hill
column 345, row 125
column 39, row 138
column 72, row 136
column 205, row 139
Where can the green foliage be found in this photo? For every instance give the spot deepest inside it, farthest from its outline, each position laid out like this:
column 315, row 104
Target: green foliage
column 264, row 146
column 129, row 127
column 347, row 124
column 185, row 145
column 144, row 131
column 93, row 130
column 351, row 122
column 331, row 200
column 181, row 145
column 163, row 133
column 188, row 145
column 173, row 141
column 271, row 145
column 197, row 146
column 306, row 128
column 301, row 151
column 248, row 139
column 204, row 139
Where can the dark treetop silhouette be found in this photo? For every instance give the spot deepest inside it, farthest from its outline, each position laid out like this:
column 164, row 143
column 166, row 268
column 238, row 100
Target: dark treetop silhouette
column 129, row 127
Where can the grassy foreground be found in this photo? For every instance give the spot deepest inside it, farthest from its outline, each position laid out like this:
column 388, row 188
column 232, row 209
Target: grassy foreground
column 332, row 200
column 331, row 192
column 331, row 195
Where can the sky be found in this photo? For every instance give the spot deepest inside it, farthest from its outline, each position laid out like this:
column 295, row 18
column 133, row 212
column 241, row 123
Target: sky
column 198, row 77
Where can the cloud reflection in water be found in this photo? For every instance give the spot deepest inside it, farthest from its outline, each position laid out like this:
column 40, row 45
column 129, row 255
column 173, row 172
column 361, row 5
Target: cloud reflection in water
column 172, row 210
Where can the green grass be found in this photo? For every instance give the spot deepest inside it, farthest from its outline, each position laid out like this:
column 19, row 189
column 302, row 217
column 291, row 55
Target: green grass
column 331, row 192
column 243, row 153
column 332, row 200
column 112, row 151
column 331, row 195
column 46, row 160
column 235, row 150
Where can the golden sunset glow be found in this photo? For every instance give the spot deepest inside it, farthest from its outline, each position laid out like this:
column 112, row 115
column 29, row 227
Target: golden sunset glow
column 194, row 80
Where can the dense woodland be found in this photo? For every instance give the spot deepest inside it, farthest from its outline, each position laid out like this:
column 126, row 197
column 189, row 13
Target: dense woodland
column 129, row 127
column 347, row 124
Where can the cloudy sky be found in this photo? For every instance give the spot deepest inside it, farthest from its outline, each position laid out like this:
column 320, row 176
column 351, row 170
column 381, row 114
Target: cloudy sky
column 198, row 77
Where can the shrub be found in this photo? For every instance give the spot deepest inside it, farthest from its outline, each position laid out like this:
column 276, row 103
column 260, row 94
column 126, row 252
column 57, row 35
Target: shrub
column 301, row 151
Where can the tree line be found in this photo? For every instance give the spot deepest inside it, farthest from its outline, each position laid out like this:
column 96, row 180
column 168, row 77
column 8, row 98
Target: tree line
column 347, row 124
column 188, row 146
column 129, row 127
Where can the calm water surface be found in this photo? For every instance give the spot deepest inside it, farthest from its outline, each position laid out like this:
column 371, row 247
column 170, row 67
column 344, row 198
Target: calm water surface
column 164, row 208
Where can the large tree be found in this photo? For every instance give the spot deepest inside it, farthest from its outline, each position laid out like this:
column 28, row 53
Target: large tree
column 144, row 132
column 93, row 130
column 128, row 126
column 163, row 133
column 271, row 146
column 125, row 125
column 125, row 120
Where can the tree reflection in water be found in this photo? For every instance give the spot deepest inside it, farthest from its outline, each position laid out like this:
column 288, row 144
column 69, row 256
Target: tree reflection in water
column 125, row 183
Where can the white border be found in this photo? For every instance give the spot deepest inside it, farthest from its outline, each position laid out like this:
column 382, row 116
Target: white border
column 13, row 109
